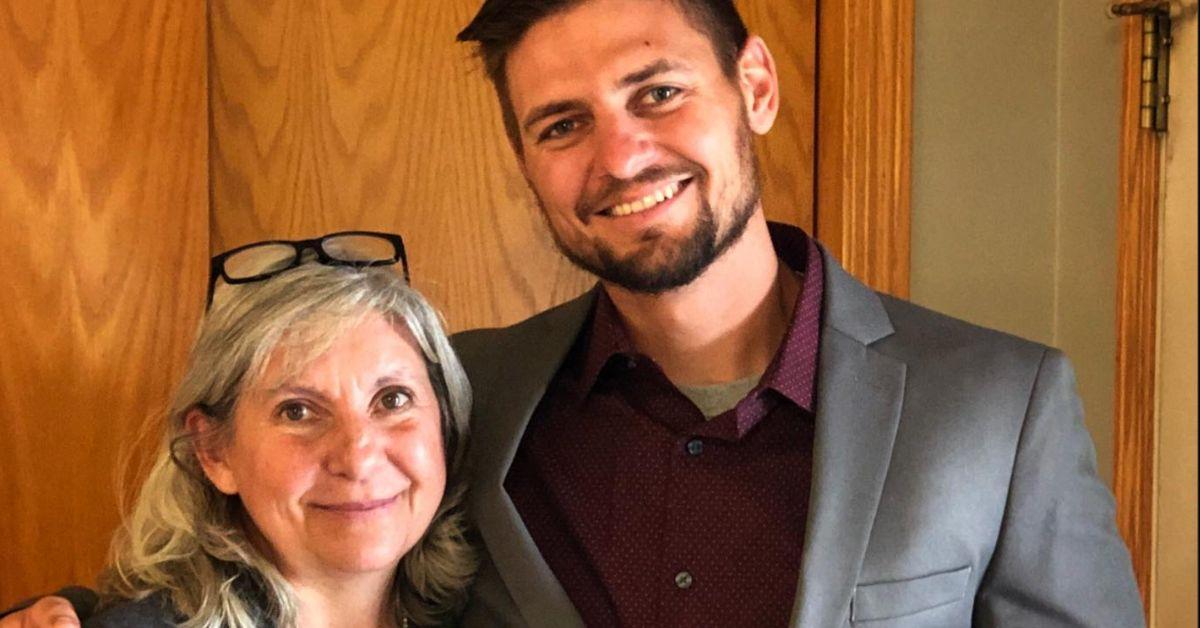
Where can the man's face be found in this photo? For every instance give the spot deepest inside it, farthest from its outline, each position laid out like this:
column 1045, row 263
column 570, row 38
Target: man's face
column 634, row 141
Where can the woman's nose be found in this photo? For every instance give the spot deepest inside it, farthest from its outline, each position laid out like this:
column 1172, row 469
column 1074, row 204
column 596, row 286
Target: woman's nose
column 356, row 448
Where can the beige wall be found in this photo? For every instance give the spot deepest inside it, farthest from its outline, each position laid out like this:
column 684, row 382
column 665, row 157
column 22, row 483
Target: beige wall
column 1015, row 125
column 1085, row 253
column 1175, row 553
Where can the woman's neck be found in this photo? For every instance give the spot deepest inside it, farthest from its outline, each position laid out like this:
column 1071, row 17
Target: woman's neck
column 363, row 600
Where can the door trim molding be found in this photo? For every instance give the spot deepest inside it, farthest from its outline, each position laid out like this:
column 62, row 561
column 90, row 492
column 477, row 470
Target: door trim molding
column 1136, row 388
column 864, row 138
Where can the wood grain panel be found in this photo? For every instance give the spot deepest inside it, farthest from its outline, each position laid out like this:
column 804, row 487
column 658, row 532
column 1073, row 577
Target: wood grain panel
column 103, row 200
column 331, row 115
column 1137, row 321
column 786, row 153
column 864, row 130
column 334, row 115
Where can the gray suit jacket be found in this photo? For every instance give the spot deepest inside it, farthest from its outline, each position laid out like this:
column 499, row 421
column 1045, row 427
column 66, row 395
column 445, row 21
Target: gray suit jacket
column 953, row 480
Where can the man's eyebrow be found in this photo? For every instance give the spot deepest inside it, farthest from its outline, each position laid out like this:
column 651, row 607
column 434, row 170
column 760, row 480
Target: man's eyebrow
column 658, row 66
column 550, row 109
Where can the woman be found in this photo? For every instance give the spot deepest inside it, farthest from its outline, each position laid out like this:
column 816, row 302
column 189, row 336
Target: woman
column 311, row 470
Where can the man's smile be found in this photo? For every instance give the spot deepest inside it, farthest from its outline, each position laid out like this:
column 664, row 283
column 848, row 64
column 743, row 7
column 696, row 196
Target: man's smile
column 660, row 195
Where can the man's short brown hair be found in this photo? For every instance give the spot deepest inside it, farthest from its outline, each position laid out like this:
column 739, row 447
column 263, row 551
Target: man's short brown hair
column 500, row 25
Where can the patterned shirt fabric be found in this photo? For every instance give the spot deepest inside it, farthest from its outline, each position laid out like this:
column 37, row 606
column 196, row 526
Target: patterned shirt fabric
column 651, row 515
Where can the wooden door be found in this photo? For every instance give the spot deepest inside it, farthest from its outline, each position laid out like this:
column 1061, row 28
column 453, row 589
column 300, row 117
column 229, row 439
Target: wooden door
column 304, row 117
column 330, row 115
column 103, row 235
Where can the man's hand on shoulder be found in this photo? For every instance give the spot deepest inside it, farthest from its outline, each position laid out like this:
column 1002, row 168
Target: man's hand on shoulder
column 48, row 612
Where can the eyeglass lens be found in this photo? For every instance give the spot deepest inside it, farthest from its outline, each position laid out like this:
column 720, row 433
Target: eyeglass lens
column 359, row 248
column 259, row 260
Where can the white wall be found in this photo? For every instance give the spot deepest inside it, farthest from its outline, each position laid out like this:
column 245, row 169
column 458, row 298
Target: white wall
column 1016, row 111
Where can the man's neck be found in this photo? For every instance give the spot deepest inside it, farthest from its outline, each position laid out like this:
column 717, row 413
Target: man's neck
column 725, row 325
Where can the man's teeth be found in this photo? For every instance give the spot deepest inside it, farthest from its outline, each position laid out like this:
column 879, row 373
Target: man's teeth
column 646, row 202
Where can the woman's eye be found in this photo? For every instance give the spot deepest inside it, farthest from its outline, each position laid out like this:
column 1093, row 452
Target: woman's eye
column 295, row 412
column 394, row 399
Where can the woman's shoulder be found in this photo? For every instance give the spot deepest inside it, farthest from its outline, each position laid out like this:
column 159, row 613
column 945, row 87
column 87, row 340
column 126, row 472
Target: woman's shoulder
column 153, row 611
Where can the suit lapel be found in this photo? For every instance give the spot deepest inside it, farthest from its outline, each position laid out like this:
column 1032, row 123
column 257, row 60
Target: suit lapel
column 527, row 363
column 859, row 397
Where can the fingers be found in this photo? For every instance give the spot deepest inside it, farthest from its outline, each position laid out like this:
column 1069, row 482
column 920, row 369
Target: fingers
column 48, row 612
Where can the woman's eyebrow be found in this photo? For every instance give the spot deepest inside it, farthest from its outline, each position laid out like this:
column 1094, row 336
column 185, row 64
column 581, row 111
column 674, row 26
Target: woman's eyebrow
column 299, row 391
column 392, row 379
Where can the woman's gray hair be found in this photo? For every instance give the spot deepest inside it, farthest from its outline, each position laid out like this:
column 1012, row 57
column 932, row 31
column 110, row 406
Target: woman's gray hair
column 188, row 541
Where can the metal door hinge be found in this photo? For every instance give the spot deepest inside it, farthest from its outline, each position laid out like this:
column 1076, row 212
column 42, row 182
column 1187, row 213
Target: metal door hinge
column 1156, row 54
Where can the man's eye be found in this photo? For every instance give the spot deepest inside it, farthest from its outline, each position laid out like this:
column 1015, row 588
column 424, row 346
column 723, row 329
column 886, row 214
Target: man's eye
column 394, row 399
column 559, row 129
column 295, row 412
column 661, row 94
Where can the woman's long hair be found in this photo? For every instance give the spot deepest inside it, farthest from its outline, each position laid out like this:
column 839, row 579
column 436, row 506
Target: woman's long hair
column 185, row 540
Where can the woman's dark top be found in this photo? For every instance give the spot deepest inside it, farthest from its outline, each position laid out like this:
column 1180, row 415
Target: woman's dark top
column 152, row 611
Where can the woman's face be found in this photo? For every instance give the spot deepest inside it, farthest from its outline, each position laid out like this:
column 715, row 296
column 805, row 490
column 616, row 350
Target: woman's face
column 340, row 465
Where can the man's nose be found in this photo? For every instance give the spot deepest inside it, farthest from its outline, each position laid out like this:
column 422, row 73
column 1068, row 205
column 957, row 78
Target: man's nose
column 625, row 147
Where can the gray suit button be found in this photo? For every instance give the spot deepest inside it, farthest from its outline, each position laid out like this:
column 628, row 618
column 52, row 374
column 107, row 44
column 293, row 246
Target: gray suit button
column 683, row 580
column 695, row 447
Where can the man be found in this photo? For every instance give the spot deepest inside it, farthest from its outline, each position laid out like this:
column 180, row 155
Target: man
column 908, row 469
column 730, row 430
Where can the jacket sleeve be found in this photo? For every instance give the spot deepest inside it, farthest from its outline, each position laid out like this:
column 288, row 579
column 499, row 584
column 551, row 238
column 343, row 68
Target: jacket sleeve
column 84, row 601
column 1059, row 560
column 490, row 605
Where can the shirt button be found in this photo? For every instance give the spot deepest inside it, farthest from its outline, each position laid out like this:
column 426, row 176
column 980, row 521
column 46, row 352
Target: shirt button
column 683, row 580
column 695, row 447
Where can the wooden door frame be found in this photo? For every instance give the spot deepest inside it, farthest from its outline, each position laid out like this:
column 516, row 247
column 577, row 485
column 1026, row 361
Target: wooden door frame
column 1136, row 390
column 864, row 138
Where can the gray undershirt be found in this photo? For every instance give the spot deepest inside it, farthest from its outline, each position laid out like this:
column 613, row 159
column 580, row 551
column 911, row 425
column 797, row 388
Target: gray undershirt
column 714, row 399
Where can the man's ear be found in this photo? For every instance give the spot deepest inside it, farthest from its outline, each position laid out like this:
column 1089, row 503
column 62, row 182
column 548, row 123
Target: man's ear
column 759, row 84
column 202, row 429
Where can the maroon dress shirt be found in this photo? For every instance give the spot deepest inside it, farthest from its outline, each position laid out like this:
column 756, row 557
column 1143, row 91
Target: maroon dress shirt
column 650, row 515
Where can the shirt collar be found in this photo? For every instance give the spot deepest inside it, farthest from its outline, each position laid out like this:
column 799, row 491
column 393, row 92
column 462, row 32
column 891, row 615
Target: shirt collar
column 608, row 339
column 792, row 370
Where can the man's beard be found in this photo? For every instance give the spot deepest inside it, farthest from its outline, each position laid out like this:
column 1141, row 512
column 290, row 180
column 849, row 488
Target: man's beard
column 684, row 260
